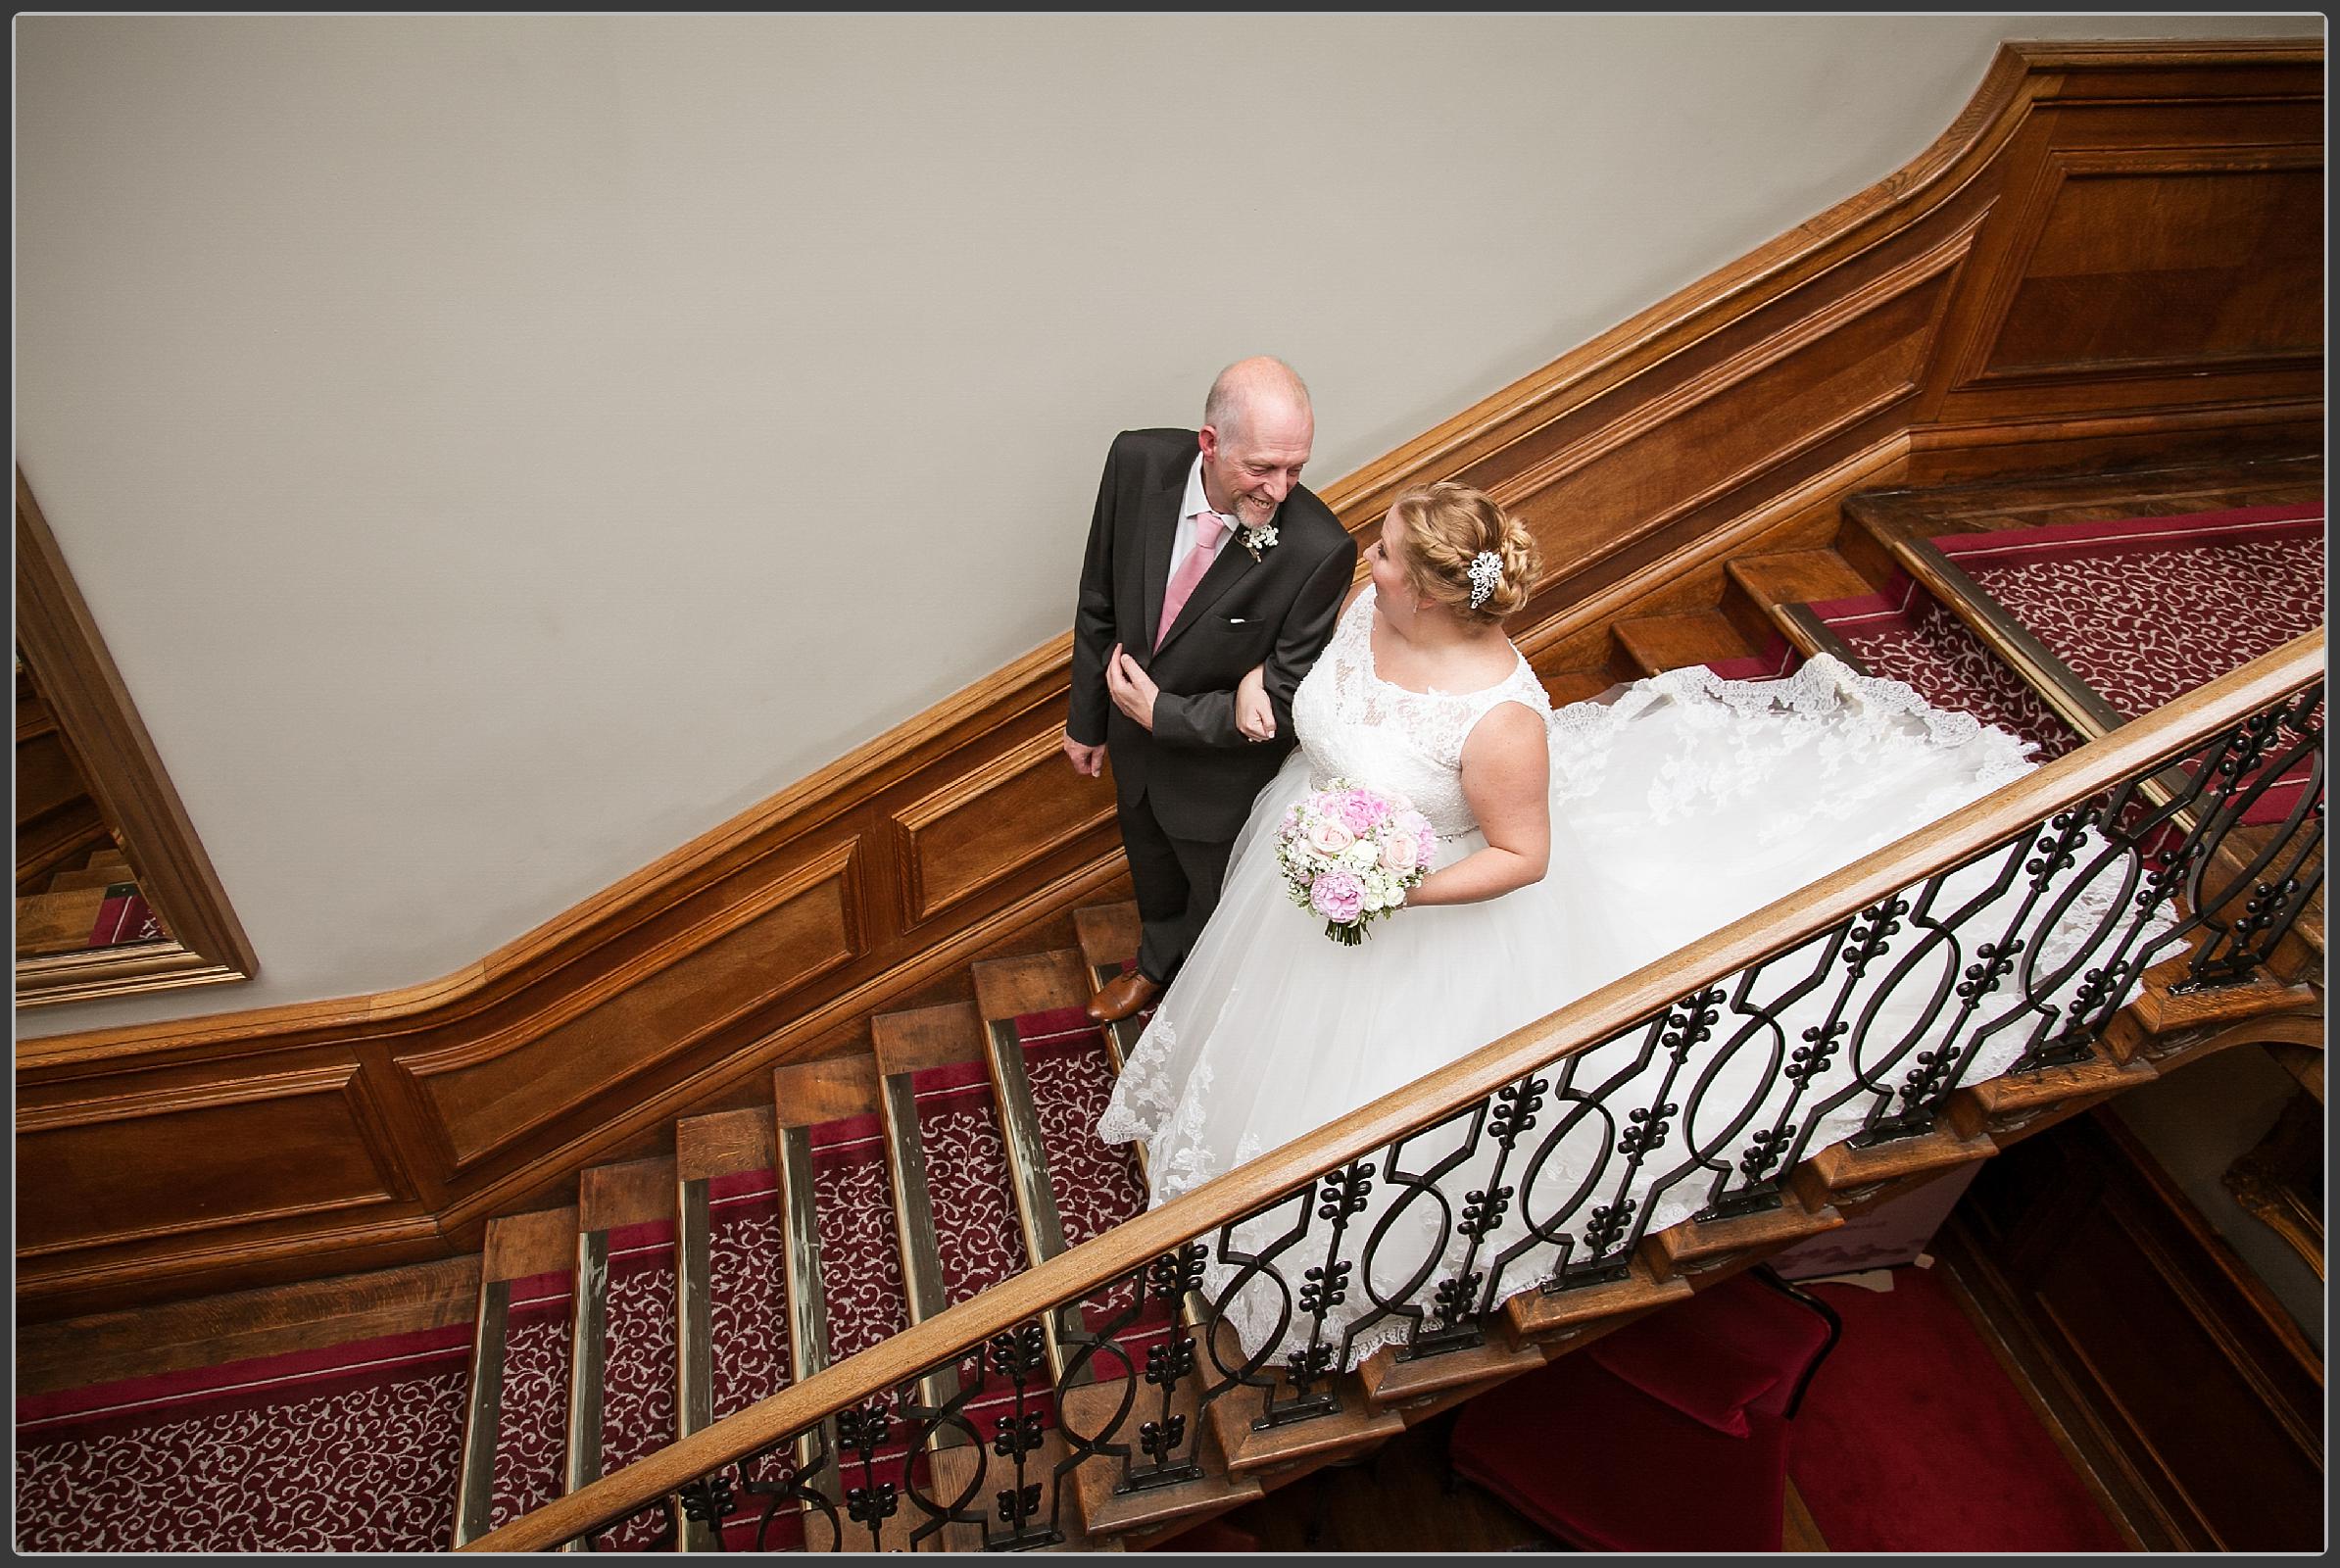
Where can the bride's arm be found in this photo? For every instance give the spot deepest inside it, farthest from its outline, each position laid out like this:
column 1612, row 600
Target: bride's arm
column 1506, row 776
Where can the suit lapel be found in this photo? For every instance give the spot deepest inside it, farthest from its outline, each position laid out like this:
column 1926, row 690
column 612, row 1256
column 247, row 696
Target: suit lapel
column 1161, row 532
column 1227, row 569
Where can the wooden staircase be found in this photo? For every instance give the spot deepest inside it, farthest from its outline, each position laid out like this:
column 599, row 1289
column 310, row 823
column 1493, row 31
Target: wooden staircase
column 878, row 1191
column 1756, row 622
column 2159, row 1034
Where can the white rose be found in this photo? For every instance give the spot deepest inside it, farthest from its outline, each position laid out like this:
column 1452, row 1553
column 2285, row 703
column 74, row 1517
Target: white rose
column 1364, row 854
column 1329, row 837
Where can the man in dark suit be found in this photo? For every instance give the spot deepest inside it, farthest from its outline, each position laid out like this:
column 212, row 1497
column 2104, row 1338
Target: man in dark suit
column 1207, row 558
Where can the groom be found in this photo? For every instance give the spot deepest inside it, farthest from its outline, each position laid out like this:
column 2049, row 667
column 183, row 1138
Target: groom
column 1205, row 558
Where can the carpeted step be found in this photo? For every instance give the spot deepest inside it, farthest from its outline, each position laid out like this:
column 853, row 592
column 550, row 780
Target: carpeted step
column 2130, row 613
column 1054, row 1067
column 956, row 1217
column 959, row 1233
column 842, row 1271
column 515, row 1433
column 1068, row 1066
column 623, row 1383
column 731, row 1330
column 1904, row 634
column 350, row 1448
column 2145, row 610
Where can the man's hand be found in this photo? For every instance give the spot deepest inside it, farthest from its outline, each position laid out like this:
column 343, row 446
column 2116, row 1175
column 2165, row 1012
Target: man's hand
column 1132, row 689
column 1254, row 714
column 1087, row 760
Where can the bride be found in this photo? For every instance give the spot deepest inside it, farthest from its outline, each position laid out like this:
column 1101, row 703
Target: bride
column 1574, row 847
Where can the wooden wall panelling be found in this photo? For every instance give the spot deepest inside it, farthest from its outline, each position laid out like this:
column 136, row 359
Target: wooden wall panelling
column 1742, row 409
column 1947, row 453
column 2189, row 1376
column 990, row 823
column 775, row 939
column 197, row 1156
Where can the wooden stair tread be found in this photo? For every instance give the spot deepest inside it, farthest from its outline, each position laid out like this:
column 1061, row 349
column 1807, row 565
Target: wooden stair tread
column 2161, row 1010
column 1393, row 1384
column 1698, row 1246
column 1107, row 933
column 81, row 881
column 806, row 1094
column 723, row 1143
column 1105, row 1512
column 539, row 1242
column 633, row 1192
column 1655, row 644
column 58, row 922
column 1038, row 982
column 1570, row 1317
column 915, row 1244
column 1796, row 576
column 1841, row 1166
column 927, row 1037
column 1566, row 686
column 1251, row 1449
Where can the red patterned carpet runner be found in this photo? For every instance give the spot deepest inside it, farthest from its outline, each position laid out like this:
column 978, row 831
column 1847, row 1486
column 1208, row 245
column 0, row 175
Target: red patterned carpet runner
column 532, row 1424
column 638, row 1374
column 2145, row 610
column 1096, row 1184
column 351, row 1449
column 1912, row 1438
column 747, row 1302
column 1905, row 634
column 124, row 918
column 967, row 1184
column 2148, row 609
column 861, row 1268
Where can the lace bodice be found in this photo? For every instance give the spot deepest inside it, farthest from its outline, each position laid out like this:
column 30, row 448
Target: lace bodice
column 1354, row 724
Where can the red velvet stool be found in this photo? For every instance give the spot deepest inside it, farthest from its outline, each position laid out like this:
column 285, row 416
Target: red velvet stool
column 1669, row 1435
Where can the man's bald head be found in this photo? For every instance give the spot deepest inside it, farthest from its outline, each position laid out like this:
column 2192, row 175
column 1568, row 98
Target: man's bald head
column 1256, row 393
column 1257, row 429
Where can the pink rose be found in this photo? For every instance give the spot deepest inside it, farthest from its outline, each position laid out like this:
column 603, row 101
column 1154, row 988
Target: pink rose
column 1337, row 896
column 1360, row 813
column 1401, row 852
column 1329, row 836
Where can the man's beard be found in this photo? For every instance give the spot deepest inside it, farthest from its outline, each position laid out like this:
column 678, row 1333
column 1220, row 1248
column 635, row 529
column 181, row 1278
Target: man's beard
column 1247, row 514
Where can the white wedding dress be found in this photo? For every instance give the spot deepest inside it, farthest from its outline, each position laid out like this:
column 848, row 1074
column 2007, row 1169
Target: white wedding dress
column 1679, row 804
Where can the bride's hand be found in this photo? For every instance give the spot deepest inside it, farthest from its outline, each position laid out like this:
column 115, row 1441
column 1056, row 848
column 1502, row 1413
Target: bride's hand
column 1254, row 715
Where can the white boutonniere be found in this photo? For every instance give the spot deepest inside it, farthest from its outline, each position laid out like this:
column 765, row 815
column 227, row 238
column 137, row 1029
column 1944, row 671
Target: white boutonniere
column 1259, row 539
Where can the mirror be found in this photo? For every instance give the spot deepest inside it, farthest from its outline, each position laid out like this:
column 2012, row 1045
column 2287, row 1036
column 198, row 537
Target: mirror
column 113, row 891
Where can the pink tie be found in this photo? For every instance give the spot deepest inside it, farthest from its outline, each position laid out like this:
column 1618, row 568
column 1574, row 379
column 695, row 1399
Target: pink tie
column 1208, row 526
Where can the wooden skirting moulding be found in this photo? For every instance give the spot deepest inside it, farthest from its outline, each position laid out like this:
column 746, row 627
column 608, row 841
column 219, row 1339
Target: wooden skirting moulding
column 2112, row 257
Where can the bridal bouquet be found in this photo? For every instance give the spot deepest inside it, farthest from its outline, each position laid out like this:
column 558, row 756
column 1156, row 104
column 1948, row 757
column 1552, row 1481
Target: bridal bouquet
column 1350, row 854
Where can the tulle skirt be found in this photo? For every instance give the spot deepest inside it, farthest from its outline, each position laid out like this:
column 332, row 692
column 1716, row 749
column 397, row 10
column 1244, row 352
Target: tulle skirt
column 1679, row 804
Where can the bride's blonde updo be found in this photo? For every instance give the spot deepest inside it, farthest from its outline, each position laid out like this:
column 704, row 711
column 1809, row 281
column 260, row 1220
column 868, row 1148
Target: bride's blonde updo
column 1443, row 528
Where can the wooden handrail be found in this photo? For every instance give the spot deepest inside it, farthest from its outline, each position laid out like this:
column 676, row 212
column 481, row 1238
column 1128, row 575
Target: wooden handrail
column 1584, row 1023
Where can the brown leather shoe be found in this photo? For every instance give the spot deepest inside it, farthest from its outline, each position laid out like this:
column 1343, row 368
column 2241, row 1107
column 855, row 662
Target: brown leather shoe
column 1126, row 992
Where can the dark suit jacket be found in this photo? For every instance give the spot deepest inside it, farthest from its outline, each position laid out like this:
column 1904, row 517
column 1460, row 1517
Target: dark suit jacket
column 1197, row 768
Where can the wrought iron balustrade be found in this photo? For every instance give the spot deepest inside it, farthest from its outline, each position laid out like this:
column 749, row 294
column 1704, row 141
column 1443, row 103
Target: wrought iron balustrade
column 2002, row 940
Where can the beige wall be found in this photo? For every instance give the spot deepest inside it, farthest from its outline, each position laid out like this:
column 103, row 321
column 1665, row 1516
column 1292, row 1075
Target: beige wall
column 498, row 450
